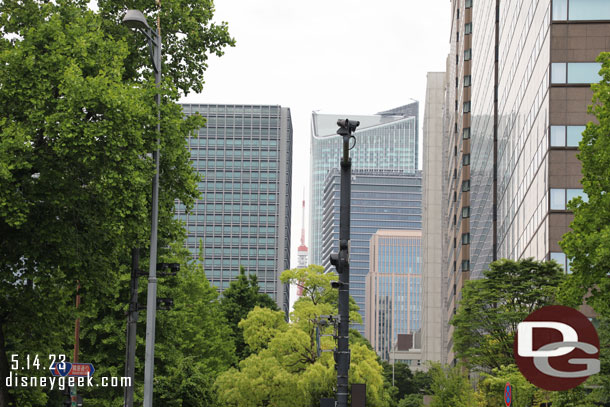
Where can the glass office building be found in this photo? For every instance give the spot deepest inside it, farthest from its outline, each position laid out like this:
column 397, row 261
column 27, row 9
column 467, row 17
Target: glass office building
column 393, row 288
column 380, row 200
column 243, row 216
column 518, row 87
column 385, row 141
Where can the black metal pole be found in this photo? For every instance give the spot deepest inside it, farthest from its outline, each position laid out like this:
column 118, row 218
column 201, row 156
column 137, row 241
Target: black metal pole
column 341, row 262
column 132, row 320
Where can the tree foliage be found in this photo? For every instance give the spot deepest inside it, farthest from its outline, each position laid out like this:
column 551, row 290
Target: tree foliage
column 587, row 243
column 492, row 385
column 286, row 370
column 77, row 121
column 237, row 301
column 451, row 387
column 492, row 307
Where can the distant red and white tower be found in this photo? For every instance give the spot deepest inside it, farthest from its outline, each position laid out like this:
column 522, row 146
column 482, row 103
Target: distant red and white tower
column 302, row 253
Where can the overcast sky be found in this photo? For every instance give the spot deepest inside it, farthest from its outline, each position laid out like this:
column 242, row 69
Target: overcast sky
column 336, row 56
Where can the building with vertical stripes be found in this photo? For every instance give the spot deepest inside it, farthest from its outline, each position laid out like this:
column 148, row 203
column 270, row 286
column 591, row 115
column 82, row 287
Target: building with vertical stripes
column 386, row 141
column 379, row 200
column 518, row 86
column 244, row 154
column 393, row 288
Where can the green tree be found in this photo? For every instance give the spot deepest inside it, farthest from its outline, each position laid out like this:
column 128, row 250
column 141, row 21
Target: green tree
column 492, row 307
column 237, row 301
column 402, row 378
column 77, row 119
column 587, row 243
column 411, row 400
column 193, row 341
column 492, row 385
column 287, row 365
column 451, row 387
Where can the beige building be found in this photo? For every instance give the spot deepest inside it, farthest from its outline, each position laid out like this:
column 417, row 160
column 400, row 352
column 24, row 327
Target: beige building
column 432, row 286
column 393, row 288
column 518, row 86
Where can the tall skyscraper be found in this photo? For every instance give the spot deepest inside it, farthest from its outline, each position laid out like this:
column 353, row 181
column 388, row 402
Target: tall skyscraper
column 393, row 285
column 380, row 200
column 519, row 78
column 243, row 216
column 432, row 287
column 385, row 141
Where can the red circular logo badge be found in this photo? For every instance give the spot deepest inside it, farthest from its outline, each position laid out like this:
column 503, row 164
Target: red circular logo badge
column 556, row 348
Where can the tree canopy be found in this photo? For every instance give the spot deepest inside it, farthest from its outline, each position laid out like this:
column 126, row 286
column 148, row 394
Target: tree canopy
column 77, row 124
column 241, row 297
column 285, row 368
column 587, row 244
column 492, row 307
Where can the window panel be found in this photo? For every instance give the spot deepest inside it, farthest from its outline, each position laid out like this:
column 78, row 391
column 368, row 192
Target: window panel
column 466, row 159
column 560, row 9
column 583, row 72
column 558, row 199
column 588, row 9
column 559, row 257
column 467, row 79
column 574, row 135
column 573, row 193
column 558, row 136
column 558, row 72
column 466, row 133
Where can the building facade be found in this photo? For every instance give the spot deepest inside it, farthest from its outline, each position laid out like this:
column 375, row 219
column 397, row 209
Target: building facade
column 244, row 155
column 393, row 289
column 385, row 141
column 379, row 200
column 433, row 294
column 522, row 72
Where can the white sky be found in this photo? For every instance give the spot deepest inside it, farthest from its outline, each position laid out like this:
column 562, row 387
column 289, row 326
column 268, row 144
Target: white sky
column 337, row 56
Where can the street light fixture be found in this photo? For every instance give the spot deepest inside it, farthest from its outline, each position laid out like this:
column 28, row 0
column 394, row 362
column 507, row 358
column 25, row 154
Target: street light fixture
column 136, row 20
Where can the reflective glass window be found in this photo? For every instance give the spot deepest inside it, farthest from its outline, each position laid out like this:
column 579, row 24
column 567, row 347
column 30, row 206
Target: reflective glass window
column 559, row 257
column 558, row 199
column 560, row 9
column 558, row 72
column 558, row 136
column 583, row 72
column 466, row 133
column 467, row 79
column 465, row 265
column 468, row 54
column 466, row 212
column 588, row 9
column 468, row 3
column 466, row 186
column 465, row 238
column 573, row 193
column 466, row 107
column 574, row 135
column 466, row 159
column 468, row 28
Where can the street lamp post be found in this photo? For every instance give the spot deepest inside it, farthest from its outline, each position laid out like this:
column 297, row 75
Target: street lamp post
column 341, row 262
column 135, row 19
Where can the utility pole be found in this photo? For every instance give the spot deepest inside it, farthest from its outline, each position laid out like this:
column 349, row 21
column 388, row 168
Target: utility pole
column 341, row 263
